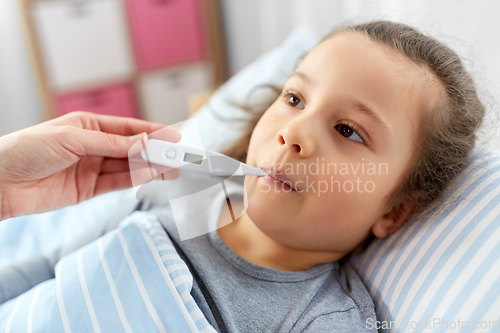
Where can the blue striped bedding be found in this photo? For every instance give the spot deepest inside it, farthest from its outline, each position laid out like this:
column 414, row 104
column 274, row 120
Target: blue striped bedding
column 27, row 236
column 444, row 265
column 130, row 280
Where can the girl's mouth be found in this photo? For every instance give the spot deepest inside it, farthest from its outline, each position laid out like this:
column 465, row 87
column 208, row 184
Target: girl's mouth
column 277, row 177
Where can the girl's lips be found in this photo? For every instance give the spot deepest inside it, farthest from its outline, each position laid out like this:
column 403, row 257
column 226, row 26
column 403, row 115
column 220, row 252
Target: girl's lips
column 277, row 177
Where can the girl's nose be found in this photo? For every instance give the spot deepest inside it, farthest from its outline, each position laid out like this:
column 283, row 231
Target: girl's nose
column 297, row 138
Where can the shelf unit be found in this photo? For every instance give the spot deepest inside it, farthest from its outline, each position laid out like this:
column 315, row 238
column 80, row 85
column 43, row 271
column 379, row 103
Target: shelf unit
column 135, row 58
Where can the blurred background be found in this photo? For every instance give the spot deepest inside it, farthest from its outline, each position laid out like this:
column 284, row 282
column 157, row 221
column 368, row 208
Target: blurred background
column 158, row 59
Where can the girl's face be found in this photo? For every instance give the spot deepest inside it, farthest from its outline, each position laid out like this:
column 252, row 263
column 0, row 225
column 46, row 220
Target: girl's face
column 343, row 132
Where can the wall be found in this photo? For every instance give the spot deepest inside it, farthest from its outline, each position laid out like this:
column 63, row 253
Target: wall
column 20, row 106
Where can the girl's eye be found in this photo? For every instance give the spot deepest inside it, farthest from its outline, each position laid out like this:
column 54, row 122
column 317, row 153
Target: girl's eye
column 349, row 132
column 295, row 102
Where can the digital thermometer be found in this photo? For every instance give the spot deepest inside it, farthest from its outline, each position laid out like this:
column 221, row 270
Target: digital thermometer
column 193, row 159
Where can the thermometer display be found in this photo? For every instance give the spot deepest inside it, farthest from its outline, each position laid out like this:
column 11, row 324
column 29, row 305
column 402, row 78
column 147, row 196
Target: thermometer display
column 192, row 158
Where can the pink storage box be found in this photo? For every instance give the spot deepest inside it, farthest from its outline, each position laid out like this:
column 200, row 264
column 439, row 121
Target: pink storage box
column 116, row 100
column 166, row 32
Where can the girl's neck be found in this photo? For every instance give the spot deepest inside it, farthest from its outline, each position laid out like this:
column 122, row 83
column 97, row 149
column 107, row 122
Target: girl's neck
column 250, row 243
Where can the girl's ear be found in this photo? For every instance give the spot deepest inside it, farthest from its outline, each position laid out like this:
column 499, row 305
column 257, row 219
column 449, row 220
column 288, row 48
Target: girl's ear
column 393, row 219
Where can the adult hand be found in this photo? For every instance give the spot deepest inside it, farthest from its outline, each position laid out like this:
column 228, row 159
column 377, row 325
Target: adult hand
column 70, row 159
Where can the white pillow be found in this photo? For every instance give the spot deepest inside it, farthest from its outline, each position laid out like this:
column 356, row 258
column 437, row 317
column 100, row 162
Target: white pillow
column 441, row 266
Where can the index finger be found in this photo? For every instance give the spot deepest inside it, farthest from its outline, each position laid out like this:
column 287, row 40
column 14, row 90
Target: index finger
column 131, row 126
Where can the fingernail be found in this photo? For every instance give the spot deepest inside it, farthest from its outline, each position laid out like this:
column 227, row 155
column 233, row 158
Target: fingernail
column 141, row 136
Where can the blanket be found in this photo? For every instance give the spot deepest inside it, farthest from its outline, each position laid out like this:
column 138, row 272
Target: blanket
column 129, row 280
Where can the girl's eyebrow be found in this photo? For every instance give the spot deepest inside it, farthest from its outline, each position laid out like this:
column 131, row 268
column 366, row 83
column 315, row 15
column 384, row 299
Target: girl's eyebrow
column 357, row 105
column 304, row 77
column 361, row 108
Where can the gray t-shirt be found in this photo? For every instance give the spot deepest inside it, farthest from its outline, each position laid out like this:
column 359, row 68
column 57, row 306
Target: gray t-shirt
column 250, row 298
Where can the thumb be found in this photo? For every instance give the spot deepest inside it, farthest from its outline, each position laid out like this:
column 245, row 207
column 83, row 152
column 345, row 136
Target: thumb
column 105, row 144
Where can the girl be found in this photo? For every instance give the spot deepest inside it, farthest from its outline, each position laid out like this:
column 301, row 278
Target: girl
column 373, row 125
column 377, row 94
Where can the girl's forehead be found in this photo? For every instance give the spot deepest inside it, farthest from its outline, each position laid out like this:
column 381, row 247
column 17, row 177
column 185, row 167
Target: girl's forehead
column 370, row 66
column 355, row 49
